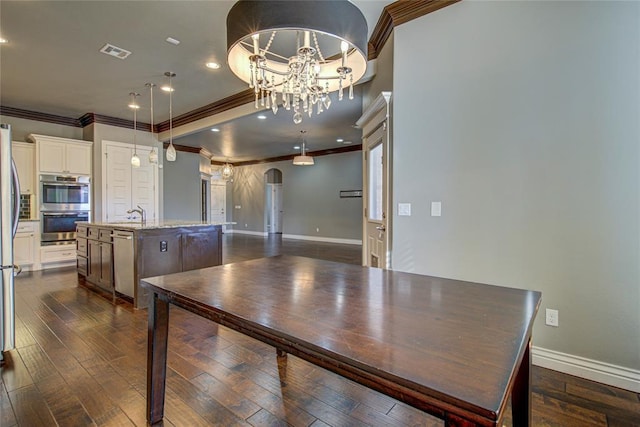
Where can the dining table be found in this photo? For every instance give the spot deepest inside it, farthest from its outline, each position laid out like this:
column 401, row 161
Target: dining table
column 455, row 349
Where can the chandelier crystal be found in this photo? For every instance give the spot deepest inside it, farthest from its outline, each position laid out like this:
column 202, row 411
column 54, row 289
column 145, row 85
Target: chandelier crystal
column 298, row 56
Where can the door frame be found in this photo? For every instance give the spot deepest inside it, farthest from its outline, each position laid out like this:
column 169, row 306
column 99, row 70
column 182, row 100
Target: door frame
column 377, row 115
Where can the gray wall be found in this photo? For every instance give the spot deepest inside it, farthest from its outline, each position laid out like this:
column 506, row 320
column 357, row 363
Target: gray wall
column 20, row 128
column 182, row 187
column 522, row 119
column 310, row 197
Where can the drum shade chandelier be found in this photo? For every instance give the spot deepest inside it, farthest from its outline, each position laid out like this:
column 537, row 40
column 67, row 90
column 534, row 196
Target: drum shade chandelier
column 295, row 53
column 303, row 159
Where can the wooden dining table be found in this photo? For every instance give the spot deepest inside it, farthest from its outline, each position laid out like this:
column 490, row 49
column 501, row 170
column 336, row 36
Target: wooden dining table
column 454, row 349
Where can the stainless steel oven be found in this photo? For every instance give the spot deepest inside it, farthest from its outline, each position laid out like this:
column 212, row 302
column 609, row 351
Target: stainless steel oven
column 60, row 227
column 65, row 193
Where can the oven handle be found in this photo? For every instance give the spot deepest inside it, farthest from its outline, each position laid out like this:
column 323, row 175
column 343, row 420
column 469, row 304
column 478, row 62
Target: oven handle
column 58, row 214
column 66, row 184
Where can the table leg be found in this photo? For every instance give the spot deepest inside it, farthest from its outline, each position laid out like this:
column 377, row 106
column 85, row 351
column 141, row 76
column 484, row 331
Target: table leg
column 521, row 392
column 158, row 329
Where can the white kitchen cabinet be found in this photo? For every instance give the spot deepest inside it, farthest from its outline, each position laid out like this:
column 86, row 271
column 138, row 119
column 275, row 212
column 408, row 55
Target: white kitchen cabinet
column 62, row 155
column 58, row 255
column 24, row 156
column 24, row 245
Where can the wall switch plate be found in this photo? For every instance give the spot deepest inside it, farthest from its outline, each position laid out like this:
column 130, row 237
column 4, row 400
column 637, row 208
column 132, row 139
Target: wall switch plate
column 238, row 206
column 436, row 208
column 551, row 317
column 163, row 246
column 404, row 209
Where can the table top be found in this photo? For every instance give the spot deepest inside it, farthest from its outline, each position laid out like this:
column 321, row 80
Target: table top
column 458, row 342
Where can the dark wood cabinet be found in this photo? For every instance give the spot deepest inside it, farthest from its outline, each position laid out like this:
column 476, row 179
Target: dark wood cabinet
column 95, row 256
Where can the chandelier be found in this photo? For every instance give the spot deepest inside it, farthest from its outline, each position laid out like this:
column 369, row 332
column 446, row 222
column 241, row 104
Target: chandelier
column 303, row 159
column 227, row 171
column 295, row 53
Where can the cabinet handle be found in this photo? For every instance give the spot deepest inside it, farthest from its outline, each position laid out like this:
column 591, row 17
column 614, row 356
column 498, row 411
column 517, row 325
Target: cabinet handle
column 66, row 253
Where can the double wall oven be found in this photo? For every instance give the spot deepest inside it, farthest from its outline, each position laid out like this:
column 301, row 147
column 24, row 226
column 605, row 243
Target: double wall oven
column 64, row 201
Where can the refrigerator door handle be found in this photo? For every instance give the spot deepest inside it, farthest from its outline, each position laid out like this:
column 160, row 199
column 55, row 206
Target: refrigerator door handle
column 16, row 197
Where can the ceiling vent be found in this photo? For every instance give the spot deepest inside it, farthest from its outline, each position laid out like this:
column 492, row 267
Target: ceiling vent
column 112, row 50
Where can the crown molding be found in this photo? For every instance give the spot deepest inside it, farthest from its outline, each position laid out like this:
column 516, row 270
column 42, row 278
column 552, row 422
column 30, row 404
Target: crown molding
column 40, row 117
column 317, row 153
column 398, row 13
column 93, row 118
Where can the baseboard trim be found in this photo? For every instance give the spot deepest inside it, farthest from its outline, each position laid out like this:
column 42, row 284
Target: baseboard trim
column 613, row 375
column 252, row 233
column 301, row 237
column 323, row 239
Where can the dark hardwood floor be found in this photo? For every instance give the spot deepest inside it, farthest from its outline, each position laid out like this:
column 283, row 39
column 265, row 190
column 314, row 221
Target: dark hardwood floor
column 80, row 360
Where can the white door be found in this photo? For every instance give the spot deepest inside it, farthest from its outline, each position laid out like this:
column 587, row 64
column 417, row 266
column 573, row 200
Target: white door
column 273, row 203
column 118, row 183
column 375, row 248
column 218, row 201
column 143, row 185
column 125, row 187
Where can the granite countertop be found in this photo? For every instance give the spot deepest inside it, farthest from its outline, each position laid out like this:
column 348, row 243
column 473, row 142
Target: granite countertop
column 150, row 225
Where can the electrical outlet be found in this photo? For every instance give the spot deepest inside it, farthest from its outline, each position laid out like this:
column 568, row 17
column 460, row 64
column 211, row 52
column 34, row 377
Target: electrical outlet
column 317, row 230
column 552, row 317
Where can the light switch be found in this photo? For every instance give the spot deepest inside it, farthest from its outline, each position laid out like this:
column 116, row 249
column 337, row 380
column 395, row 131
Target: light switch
column 404, row 209
column 436, row 208
column 238, row 207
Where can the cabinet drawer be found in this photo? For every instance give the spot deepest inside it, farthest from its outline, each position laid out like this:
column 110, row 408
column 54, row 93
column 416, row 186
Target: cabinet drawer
column 26, row 227
column 81, row 246
column 94, row 233
column 104, row 235
column 57, row 253
column 83, row 231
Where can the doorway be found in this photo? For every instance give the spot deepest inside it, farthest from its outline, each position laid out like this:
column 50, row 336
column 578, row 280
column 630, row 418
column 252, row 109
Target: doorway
column 218, row 201
column 273, row 201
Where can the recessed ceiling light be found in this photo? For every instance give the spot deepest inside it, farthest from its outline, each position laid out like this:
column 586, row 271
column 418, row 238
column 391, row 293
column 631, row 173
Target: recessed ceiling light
column 213, row 65
column 166, row 88
column 262, row 117
column 173, row 41
column 215, row 130
column 296, row 147
column 339, row 140
column 3, row 40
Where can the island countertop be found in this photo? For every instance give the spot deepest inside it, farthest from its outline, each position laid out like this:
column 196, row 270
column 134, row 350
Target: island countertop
column 151, row 225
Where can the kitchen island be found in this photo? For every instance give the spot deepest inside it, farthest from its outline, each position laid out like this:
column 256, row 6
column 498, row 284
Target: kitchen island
column 115, row 256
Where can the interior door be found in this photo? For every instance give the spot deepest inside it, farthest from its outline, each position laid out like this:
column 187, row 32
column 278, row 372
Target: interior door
column 118, row 183
column 375, row 248
column 143, row 185
column 218, row 201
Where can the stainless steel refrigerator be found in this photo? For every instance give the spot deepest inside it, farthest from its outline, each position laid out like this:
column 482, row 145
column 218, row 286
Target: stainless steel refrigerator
column 9, row 206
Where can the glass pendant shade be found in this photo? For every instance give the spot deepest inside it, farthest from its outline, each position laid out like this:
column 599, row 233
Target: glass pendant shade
column 299, row 55
column 153, row 155
column 171, row 150
column 227, row 171
column 135, row 160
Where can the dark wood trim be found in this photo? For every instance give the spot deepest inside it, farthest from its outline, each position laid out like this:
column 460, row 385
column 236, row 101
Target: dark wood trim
column 40, row 117
column 318, row 153
column 91, row 118
column 183, row 148
column 235, row 100
column 397, row 13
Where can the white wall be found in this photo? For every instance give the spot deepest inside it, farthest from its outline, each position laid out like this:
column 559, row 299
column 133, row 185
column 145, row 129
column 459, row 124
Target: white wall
column 523, row 119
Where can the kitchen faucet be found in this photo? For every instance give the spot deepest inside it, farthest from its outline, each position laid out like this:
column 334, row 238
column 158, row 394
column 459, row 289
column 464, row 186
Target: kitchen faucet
column 142, row 212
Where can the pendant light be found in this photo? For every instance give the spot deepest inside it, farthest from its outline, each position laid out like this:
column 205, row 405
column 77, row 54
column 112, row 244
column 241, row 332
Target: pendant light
column 171, row 150
column 153, row 154
column 135, row 160
column 303, row 159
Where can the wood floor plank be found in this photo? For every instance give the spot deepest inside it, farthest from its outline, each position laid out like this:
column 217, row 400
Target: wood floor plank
column 15, row 374
column 412, row 416
column 29, row 407
column 234, row 402
column 7, row 416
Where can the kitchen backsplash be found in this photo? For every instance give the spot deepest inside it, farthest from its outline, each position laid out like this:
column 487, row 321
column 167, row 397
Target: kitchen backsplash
column 25, row 206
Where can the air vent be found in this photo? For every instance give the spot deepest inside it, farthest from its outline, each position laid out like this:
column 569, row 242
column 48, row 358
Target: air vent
column 112, row 50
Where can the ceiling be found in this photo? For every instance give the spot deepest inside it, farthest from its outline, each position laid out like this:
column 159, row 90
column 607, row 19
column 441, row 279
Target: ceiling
column 52, row 64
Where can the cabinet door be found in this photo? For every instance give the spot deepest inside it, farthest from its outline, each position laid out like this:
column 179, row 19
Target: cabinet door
column 23, row 155
column 52, row 157
column 106, row 265
column 200, row 250
column 78, row 158
column 23, row 248
column 94, row 261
